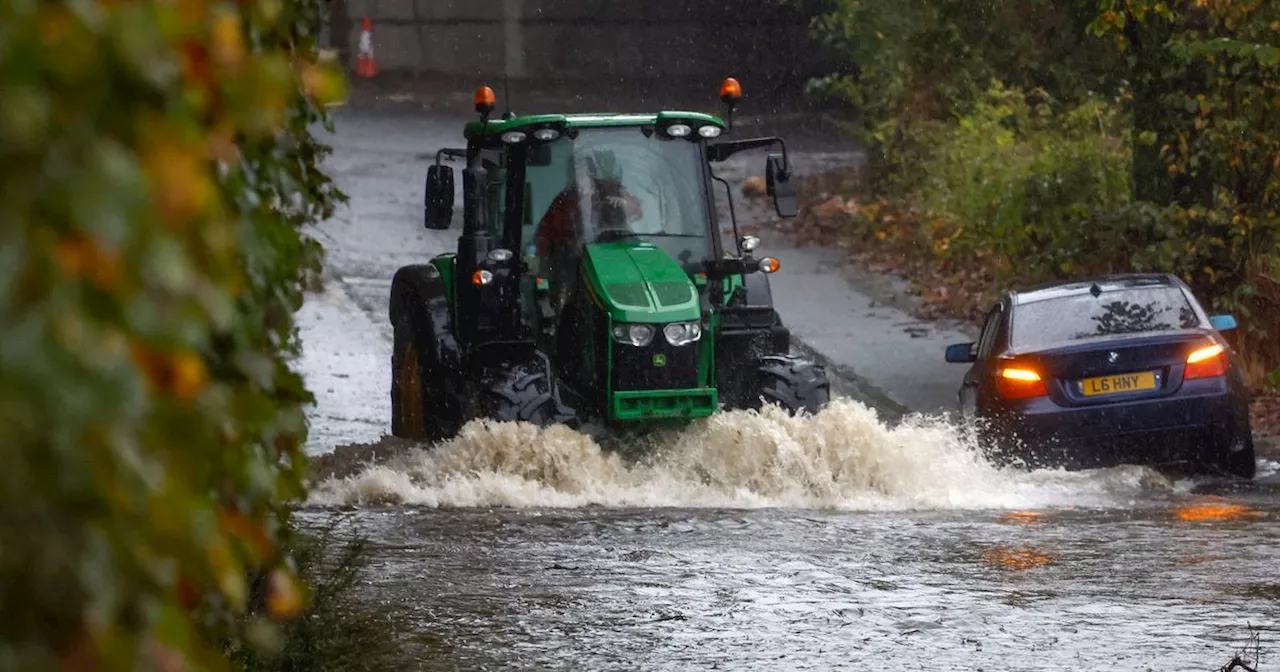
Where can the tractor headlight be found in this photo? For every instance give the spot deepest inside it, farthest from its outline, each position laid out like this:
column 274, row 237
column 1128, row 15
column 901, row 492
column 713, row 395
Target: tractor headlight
column 638, row 335
column 679, row 130
column 513, row 137
column 709, row 131
column 546, row 134
column 682, row 333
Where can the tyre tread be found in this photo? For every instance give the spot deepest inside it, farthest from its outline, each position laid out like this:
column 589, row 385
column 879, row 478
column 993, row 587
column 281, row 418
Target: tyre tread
column 522, row 394
column 793, row 383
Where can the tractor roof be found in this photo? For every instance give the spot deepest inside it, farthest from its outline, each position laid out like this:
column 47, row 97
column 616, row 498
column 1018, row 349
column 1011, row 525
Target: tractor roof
column 496, row 127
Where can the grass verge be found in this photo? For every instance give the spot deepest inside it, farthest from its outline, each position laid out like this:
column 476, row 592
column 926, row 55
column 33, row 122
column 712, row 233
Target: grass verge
column 340, row 630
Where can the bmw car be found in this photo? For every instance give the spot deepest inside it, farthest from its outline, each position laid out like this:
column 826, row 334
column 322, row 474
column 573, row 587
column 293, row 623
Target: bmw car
column 1124, row 369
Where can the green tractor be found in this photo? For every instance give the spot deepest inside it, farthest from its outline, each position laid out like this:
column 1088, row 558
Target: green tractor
column 591, row 282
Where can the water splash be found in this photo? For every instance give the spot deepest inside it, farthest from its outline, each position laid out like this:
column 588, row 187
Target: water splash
column 841, row 458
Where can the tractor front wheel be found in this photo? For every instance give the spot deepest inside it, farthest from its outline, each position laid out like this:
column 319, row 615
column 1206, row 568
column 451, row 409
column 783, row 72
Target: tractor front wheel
column 794, row 384
column 521, row 394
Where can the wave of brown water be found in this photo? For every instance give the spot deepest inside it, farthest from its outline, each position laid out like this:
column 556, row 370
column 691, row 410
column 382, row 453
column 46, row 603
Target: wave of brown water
column 842, row 458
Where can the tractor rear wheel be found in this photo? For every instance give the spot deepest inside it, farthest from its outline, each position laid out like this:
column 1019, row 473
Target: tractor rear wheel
column 521, row 394
column 794, row 384
column 416, row 399
column 407, row 421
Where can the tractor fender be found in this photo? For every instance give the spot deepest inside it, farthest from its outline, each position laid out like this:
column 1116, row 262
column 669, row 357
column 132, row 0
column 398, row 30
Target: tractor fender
column 504, row 354
column 758, row 290
column 418, row 294
column 750, row 314
column 760, row 295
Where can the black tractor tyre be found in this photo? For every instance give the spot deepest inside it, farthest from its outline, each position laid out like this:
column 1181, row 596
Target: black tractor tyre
column 521, row 394
column 795, row 384
column 408, row 402
column 1241, row 463
column 417, row 402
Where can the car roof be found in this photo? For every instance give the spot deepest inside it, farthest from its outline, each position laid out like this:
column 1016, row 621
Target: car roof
column 1107, row 283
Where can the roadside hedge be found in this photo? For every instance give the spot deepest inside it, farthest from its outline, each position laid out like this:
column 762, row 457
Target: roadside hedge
column 157, row 169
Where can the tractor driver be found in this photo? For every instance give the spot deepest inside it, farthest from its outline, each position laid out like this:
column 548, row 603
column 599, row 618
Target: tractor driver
column 603, row 204
column 611, row 204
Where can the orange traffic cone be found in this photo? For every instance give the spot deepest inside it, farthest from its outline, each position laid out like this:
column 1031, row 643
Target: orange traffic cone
column 366, row 66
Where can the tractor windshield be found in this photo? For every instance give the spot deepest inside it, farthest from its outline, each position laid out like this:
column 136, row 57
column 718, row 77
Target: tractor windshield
column 617, row 184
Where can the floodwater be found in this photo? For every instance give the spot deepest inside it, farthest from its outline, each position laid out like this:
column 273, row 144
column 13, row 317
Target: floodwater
column 834, row 542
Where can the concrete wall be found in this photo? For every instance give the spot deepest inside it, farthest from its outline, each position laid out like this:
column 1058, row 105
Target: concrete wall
column 634, row 39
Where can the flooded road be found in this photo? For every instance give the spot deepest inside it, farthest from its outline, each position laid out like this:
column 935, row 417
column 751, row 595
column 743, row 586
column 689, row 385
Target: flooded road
column 765, row 542
column 753, row 541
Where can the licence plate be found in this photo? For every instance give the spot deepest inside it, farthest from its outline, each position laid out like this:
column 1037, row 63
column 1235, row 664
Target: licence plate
column 1127, row 382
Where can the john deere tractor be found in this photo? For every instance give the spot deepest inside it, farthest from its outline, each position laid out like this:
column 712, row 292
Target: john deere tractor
column 591, row 281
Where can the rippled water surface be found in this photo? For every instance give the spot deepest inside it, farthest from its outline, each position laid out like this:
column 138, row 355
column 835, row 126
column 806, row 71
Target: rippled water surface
column 765, row 542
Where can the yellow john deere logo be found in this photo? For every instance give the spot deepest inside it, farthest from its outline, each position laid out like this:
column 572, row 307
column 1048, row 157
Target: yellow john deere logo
column 659, row 360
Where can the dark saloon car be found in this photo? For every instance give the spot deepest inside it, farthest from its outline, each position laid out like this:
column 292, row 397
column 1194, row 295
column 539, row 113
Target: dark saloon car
column 1126, row 369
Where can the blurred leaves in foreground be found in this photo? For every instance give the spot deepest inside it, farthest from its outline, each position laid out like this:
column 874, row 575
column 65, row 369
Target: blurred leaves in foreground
column 156, row 173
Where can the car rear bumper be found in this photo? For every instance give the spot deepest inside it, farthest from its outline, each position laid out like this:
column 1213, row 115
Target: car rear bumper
column 1182, row 429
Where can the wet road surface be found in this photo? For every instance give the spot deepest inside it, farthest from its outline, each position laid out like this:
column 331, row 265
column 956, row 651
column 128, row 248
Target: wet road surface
column 1156, row 580
column 748, row 541
column 833, row 542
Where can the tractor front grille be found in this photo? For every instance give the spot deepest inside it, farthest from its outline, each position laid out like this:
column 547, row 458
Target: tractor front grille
column 638, row 368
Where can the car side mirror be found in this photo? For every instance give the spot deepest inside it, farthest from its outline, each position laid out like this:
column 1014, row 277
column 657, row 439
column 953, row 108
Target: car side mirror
column 1223, row 322
column 780, row 187
column 439, row 197
column 961, row 353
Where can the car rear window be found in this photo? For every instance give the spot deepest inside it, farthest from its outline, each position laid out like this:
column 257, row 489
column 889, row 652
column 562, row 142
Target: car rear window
column 1113, row 313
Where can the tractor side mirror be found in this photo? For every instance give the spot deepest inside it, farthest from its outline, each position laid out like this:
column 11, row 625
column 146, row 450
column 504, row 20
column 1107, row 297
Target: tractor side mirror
column 780, row 187
column 439, row 197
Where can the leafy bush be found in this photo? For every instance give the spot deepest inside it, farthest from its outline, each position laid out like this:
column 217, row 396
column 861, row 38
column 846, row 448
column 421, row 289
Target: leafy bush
column 1153, row 151
column 156, row 167
column 914, row 60
column 1208, row 87
column 1020, row 184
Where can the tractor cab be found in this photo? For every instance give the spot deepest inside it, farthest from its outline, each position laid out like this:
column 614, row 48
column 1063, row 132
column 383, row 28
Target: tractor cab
column 591, row 251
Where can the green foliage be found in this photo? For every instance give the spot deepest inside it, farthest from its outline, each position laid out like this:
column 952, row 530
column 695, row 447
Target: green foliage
column 156, row 168
column 1020, row 183
column 914, row 60
column 339, row 631
column 1211, row 89
column 1031, row 184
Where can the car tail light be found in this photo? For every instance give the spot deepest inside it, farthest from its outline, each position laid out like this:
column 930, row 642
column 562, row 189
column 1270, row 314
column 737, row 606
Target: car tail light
column 1207, row 362
column 1019, row 383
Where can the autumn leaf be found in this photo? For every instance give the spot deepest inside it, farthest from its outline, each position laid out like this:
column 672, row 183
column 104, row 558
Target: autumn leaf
column 284, row 595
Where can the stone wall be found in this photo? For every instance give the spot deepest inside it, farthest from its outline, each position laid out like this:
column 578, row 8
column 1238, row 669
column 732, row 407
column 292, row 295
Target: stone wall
column 622, row 39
